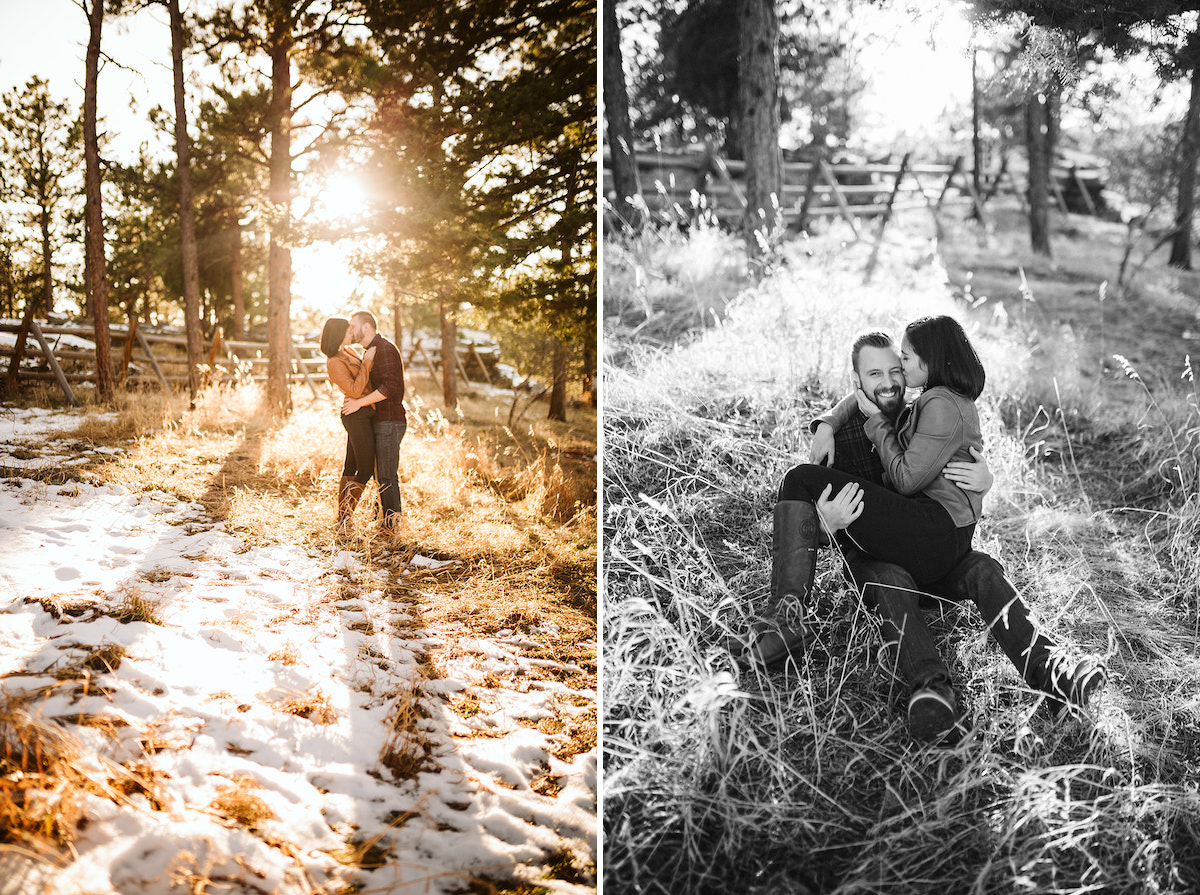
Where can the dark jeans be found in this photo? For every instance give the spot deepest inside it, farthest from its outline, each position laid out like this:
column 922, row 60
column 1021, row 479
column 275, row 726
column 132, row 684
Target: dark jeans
column 914, row 532
column 891, row 591
column 360, row 444
column 388, row 435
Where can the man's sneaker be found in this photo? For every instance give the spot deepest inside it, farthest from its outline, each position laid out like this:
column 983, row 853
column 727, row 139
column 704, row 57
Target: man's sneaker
column 1073, row 683
column 932, row 711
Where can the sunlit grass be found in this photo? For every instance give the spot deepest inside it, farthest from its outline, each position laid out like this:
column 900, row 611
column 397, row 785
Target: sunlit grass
column 718, row 780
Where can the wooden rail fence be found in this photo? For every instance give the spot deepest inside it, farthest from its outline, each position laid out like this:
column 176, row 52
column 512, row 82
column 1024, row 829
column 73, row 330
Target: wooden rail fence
column 245, row 359
column 678, row 186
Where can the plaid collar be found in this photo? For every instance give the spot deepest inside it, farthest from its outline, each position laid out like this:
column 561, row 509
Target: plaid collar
column 853, row 452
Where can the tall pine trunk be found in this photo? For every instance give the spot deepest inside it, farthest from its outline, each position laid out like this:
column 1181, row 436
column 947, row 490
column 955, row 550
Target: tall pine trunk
column 95, row 285
column 976, row 136
column 236, row 276
column 449, row 356
column 616, row 119
column 558, row 386
column 47, row 264
column 758, row 95
column 1037, row 141
column 187, row 214
column 279, row 258
column 1185, row 201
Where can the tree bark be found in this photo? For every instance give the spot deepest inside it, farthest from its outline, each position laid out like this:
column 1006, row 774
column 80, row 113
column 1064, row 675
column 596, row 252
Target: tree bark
column 96, row 280
column 976, row 137
column 449, row 357
column 1037, row 145
column 47, row 264
column 187, row 213
column 279, row 257
column 12, row 382
column 237, row 276
column 619, row 130
column 1185, row 201
column 758, row 94
column 558, row 387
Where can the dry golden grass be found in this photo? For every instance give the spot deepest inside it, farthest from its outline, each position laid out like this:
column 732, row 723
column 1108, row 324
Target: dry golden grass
column 240, row 804
column 40, row 784
column 314, row 707
column 805, row 780
column 405, row 752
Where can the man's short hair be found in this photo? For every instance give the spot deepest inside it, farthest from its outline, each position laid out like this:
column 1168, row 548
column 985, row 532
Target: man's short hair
column 869, row 338
column 367, row 316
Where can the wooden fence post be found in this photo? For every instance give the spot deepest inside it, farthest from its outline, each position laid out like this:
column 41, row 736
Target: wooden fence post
column 53, row 362
column 304, row 370
column 130, row 338
column 887, row 216
column 1087, row 197
column 482, row 365
column 839, row 198
column 810, row 188
column 144, row 344
column 954, row 169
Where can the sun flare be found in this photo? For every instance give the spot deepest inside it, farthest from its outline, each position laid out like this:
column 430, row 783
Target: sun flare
column 344, row 198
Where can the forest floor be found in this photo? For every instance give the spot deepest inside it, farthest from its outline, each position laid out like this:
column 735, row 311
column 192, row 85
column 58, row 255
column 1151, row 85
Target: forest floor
column 806, row 780
column 205, row 684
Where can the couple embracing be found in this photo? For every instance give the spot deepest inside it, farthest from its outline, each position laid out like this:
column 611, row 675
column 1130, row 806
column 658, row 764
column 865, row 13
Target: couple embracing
column 901, row 496
column 367, row 369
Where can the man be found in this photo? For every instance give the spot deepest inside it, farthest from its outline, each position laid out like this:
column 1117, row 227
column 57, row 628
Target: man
column 839, row 439
column 387, row 384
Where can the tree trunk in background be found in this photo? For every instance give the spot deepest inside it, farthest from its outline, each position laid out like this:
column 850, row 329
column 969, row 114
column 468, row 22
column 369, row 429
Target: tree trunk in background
column 279, row 258
column 449, row 357
column 47, row 265
column 12, row 382
column 558, row 386
column 1036, row 143
column 95, row 276
column 976, row 138
column 187, row 213
column 617, row 126
column 758, row 96
column 589, row 374
column 1185, row 201
column 236, row 277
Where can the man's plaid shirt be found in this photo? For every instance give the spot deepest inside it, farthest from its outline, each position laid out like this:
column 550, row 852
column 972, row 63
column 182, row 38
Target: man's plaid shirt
column 854, row 453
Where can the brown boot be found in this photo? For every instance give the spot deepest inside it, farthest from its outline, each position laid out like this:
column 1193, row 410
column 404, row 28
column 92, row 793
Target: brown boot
column 349, row 491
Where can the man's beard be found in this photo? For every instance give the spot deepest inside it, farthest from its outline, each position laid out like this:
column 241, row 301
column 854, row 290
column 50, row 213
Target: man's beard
column 892, row 404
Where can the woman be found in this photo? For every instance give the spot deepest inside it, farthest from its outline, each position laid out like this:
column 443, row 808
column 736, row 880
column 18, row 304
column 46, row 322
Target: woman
column 351, row 373
column 926, row 524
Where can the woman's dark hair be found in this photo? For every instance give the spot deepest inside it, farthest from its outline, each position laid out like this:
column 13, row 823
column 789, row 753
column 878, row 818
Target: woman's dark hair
column 332, row 334
column 948, row 355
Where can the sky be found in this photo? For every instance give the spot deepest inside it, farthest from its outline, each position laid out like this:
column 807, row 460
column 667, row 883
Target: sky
column 139, row 73
column 140, row 47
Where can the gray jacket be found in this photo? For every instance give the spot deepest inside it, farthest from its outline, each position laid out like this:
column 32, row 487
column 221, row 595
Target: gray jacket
column 935, row 429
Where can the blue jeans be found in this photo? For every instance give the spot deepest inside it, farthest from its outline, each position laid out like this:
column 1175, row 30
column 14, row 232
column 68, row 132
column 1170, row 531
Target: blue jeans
column 388, row 435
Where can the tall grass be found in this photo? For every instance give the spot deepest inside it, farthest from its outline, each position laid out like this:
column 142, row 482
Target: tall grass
column 806, row 780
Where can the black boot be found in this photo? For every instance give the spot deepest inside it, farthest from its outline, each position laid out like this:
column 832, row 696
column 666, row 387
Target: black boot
column 1036, row 656
column 779, row 632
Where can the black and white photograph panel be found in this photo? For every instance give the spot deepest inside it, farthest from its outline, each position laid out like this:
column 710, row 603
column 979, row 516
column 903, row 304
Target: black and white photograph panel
column 900, row 447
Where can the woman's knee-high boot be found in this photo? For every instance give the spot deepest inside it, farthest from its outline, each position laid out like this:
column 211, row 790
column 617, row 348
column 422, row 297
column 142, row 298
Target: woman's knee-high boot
column 779, row 631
